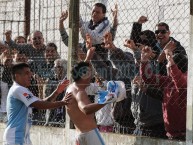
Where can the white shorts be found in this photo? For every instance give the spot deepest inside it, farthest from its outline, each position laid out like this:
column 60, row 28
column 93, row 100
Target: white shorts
column 92, row 137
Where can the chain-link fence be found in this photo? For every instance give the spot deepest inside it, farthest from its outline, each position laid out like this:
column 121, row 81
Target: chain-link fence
column 151, row 105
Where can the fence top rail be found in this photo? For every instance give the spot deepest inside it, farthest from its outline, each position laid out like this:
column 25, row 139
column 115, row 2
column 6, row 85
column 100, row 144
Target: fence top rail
column 13, row 20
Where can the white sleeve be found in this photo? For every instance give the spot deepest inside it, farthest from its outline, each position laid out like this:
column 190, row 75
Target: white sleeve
column 24, row 95
column 96, row 34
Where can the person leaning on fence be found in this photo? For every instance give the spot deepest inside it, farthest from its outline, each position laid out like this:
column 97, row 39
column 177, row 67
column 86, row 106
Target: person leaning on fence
column 57, row 115
column 20, row 102
column 50, row 55
column 6, row 63
column 146, row 109
column 95, row 28
column 64, row 15
column 175, row 89
column 162, row 34
column 148, row 118
column 103, row 69
column 45, row 72
column 145, row 37
column 34, row 51
column 124, row 63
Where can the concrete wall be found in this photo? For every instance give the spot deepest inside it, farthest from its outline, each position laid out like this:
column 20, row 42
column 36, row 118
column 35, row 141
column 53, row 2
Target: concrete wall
column 41, row 135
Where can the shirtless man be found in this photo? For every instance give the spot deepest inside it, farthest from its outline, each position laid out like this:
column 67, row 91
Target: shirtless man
column 81, row 110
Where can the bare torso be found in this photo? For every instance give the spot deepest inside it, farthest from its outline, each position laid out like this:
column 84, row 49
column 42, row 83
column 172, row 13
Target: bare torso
column 83, row 122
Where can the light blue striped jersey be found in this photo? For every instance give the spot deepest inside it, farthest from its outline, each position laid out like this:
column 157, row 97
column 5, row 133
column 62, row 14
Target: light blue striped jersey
column 19, row 115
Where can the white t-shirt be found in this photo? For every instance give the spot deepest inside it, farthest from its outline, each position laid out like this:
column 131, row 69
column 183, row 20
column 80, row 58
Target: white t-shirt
column 19, row 115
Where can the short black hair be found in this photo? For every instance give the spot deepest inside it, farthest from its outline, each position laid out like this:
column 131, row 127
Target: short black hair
column 181, row 61
column 163, row 24
column 104, row 9
column 51, row 44
column 150, row 38
column 79, row 70
column 17, row 68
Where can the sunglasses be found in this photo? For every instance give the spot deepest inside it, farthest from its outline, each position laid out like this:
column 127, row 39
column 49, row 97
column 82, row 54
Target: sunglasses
column 160, row 31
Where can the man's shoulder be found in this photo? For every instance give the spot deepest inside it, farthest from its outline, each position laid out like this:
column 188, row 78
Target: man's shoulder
column 17, row 87
column 176, row 41
column 73, row 88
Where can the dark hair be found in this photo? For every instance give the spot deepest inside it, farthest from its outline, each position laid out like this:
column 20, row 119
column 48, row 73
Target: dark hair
column 37, row 31
column 150, row 34
column 182, row 61
column 18, row 37
column 164, row 24
column 17, row 68
column 51, row 44
column 104, row 10
column 79, row 70
column 150, row 38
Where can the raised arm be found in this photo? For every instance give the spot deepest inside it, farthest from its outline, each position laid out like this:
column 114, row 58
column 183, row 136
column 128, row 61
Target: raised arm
column 146, row 71
column 49, row 103
column 115, row 53
column 179, row 78
column 12, row 44
column 62, row 30
column 136, row 29
column 60, row 88
column 91, row 50
column 113, row 29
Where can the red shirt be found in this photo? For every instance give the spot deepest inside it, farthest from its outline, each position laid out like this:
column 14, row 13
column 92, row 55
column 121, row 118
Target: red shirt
column 174, row 97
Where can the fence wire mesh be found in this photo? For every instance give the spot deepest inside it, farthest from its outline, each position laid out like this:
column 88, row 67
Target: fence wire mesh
column 154, row 105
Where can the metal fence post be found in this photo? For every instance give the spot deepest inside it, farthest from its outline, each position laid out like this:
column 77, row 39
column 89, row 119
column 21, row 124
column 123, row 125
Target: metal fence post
column 27, row 15
column 72, row 49
column 189, row 122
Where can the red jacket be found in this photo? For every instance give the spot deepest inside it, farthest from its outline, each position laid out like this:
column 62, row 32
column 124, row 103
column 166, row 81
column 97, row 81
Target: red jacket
column 174, row 97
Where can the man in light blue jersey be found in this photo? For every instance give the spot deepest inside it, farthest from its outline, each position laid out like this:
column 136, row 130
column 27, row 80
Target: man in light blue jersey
column 20, row 102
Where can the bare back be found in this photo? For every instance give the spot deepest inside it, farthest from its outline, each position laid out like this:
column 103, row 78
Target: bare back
column 83, row 122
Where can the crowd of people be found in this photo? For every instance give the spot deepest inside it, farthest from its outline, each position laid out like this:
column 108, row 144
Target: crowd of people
column 153, row 74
